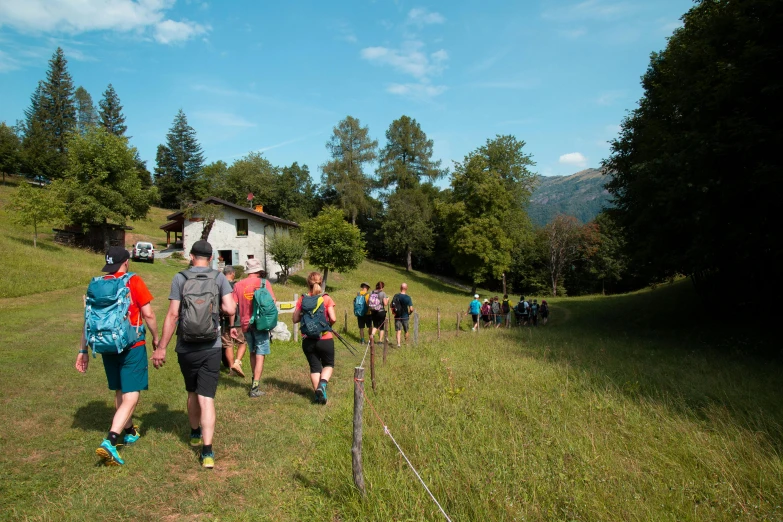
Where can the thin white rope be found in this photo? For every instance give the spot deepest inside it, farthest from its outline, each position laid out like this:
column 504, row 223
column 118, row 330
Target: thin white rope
column 387, row 432
column 365, row 354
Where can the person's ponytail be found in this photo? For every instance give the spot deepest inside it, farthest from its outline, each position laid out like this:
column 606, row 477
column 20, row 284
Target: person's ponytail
column 314, row 281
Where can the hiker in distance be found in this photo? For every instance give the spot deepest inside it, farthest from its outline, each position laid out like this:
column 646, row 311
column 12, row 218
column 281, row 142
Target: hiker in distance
column 361, row 309
column 315, row 312
column 474, row 309
column 402, row 308
column 378, row 301
column 197, row 296
column 114, row 307
column 237, row 339
column 254, row 294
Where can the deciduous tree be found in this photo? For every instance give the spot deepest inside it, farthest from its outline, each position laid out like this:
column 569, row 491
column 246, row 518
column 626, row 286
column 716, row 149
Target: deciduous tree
column 36, row 206
column 86, row 116
column 101, row 182
column 287, row 250
column 332, row 243
column 207, row 213
column 406, row 227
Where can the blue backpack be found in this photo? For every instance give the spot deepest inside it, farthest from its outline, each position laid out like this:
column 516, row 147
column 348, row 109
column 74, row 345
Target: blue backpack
column 107, row 326
column 360, row 306
column 313, row 322
column 264, row 316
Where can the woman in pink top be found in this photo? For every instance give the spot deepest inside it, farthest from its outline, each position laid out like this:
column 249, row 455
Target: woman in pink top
column 319, row 350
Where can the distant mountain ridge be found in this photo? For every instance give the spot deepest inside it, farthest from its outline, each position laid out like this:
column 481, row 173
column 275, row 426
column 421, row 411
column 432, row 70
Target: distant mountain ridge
column 581, row 195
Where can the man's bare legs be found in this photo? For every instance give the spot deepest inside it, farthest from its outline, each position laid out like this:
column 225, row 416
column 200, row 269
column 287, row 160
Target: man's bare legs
column 125, row 404
column 201, row 413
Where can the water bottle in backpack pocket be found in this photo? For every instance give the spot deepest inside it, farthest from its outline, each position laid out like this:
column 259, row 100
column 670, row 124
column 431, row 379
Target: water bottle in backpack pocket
column 313, row 321
column 199, row 315
column 264, row 315
column 107, row 325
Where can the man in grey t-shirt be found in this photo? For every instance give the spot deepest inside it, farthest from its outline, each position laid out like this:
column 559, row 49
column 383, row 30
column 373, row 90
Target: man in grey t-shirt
column 199, row 362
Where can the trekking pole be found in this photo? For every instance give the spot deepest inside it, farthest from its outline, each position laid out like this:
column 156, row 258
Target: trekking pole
column 345, row 343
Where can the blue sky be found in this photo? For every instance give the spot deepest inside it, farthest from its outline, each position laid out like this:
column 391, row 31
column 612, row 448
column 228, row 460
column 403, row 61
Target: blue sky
column 276, row 77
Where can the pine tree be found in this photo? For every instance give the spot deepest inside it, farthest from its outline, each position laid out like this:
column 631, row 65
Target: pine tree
column 407, row 156
column 50, row 121
column 179, row 162
column 111, row 117
column 86, row 116
column 350, row 147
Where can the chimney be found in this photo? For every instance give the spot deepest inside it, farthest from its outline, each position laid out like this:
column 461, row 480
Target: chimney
column 259, row 208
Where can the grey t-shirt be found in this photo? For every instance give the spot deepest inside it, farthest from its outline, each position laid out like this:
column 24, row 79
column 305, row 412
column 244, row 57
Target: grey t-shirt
column 176, row 295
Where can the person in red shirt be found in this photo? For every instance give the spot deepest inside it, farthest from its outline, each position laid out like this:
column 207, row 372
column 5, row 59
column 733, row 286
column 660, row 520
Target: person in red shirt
column 319, row 350
column 257, row 341
column 126, row 372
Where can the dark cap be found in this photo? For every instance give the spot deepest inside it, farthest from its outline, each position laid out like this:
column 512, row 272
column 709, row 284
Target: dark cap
column 115, row 257
column 201, row 248
column 365, row 285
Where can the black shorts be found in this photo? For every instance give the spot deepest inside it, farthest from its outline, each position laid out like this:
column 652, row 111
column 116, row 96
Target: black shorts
column 201, row 371
column 378, row 318
column 475, row 317
column 365, row 321
column 319, row 353
column 485, row 318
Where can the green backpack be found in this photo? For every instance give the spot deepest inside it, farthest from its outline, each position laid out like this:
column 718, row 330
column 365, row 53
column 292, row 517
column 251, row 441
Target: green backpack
column 264, row 316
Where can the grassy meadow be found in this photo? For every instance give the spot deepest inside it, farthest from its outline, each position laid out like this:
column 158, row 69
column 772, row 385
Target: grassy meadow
column 631, row 407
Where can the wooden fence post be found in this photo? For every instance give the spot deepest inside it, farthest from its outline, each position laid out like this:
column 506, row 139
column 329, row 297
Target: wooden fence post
column 458, row 317
column 372, row 362
column 438, row 324
column 296, row 330
column 356, row 447
column 415, row 328
column 385, row 338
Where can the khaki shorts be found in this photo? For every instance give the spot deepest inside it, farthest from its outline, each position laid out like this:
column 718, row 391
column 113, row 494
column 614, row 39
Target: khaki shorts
column 228, row 341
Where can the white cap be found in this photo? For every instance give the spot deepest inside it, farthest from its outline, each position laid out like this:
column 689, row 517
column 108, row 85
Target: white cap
column 475, row 296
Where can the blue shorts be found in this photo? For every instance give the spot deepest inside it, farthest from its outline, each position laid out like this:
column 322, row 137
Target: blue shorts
column 257, row 342
column 127, row 371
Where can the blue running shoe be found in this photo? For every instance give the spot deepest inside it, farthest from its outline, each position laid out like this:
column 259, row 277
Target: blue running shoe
column 320, row 394
column 132, row 438
column 109, row 454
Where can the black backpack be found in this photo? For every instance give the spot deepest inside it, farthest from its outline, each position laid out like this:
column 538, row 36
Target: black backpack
column 199, row 313
column 396, row 306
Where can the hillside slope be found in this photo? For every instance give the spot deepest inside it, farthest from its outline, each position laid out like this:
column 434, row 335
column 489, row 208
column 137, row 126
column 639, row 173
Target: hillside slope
column 581, row 195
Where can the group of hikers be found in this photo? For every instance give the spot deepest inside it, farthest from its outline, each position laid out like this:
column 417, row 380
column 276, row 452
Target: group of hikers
column 495, row 313
column 211, row 315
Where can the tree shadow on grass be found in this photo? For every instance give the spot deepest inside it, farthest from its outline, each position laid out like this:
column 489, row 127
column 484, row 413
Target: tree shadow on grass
column 297, row 279
column 416, row 278
column 41, row 244
column 663, row 346
column 94, row 416
column 291, row 387
column 164, row 419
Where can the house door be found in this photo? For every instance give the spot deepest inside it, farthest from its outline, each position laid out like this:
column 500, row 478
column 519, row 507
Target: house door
column 227, row 255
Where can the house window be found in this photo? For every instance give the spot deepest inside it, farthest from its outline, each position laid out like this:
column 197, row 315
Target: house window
column 241, row 227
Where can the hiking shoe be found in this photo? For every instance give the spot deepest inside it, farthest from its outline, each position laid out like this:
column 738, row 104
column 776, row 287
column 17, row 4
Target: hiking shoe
column 131, row 439
column 195, row 440
column 109, row 454
column 237, row 367
column 208, row 460
column 320, row 394
column 255, row 392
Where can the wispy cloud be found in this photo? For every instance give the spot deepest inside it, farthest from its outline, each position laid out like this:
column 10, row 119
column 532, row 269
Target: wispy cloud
column 345, row 33
column 421, row 17
column 223, row 92
column 80, row 16
column 419, row 91
column 222, row 119
column 591, row 10
column 408, row 59
column 7, row 62
column 573, row 34
column 524, row 83
column 610, row 97
column 576, row 159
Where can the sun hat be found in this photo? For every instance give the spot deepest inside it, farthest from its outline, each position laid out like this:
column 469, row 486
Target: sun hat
column 253, row 266
column 475, row 296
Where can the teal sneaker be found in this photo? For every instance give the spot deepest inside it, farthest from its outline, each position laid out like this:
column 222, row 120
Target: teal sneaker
column 109, row 454
column 131, row 438
column 320, row 394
